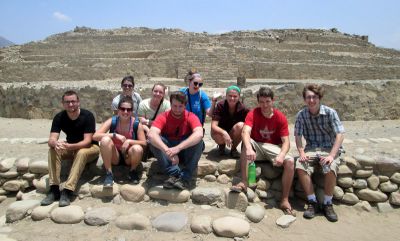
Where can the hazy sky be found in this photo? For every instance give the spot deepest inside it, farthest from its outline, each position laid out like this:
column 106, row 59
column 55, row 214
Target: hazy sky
column 22, row 21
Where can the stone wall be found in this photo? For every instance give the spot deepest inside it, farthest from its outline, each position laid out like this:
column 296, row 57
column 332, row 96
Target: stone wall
column 352, row 100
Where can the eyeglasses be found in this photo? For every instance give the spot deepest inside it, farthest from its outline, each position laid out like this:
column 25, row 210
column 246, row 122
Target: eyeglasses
column 70, row 102
column 315, row 97
column 127, row 86
column 197, row 84
column 123, row 109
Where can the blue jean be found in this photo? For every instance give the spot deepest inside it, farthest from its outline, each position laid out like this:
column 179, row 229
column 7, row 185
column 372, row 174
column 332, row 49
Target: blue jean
column 188, row 157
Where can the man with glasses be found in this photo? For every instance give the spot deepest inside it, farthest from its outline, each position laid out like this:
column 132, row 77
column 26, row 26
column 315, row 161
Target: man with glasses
column 78, row 125
column 324, row 133
column 176, row 138
column 127, row 85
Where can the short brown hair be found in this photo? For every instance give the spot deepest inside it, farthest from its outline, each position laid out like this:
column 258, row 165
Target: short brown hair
column 69, row 93
column 178, row 96
column 317, row 89
column 265, row 92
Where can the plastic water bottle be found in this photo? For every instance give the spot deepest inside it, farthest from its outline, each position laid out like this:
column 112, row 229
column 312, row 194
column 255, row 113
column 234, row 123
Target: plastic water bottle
column 252, row 173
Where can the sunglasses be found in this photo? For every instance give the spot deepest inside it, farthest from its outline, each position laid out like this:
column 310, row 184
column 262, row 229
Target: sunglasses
column 123, row 109
column 127, row 86
column 197, row 84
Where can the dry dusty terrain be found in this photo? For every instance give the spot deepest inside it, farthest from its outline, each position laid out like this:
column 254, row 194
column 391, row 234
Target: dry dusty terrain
column 352, row 224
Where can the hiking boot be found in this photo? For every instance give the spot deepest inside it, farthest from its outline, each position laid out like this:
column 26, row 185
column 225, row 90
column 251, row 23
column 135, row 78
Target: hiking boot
column 52, row 196
column 169, row 183
column 329, row 212
column 182, row 184
column 221, row 150
column 65, row 198
column 109, row 180
column 134, row 177
column 311, row 210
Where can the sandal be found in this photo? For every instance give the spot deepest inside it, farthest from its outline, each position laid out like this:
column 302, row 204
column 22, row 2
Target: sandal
column 240, row 187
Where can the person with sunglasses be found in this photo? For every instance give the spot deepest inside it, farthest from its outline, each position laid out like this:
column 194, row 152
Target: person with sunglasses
column 122, row 139
column 150, row 108
column 198, row 101
column 228, row 120
column 79, row 125
column 127, row 85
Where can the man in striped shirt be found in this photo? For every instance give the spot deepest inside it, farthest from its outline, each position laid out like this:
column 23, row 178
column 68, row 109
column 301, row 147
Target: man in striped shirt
column 324, row 133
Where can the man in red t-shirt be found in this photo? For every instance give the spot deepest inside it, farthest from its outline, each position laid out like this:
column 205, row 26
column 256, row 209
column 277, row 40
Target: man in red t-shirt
column 176, row 138
column 265, row 136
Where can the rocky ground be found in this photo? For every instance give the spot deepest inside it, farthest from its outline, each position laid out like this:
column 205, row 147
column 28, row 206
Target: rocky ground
column 25, row 138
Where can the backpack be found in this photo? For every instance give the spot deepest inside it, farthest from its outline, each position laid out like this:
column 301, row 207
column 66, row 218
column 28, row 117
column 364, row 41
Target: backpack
column 114, row 122
column 202, row 110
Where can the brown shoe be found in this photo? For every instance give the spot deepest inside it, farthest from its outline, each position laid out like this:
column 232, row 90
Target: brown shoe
column 330, row 213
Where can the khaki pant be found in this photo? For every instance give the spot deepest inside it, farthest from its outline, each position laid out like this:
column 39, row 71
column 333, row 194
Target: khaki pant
column 80, row 158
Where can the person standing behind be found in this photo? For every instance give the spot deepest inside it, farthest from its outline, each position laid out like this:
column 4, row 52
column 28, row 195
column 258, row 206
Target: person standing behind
column 124, row 142
column 176, row 138
column 127, row 85
column 227, row 121
column 265, row 136
column 150, row 108
column 78, row 125
column 198, row 101
column 324, row 133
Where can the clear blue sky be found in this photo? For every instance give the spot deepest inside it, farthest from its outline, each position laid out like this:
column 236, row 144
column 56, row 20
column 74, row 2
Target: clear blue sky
column 22, row 21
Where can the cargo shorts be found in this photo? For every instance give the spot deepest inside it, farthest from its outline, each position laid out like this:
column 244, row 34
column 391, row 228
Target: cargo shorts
column 312, row 165
column 267, row 151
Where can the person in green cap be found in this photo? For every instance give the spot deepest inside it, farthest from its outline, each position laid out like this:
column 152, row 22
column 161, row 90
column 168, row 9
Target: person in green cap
column 227, row 121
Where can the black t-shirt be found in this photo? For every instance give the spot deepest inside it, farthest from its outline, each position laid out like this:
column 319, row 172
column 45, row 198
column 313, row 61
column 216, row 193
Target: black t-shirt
column 225, row 120
column 74, row 129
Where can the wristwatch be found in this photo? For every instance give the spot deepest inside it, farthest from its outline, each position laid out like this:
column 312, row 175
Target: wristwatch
column 114, row 135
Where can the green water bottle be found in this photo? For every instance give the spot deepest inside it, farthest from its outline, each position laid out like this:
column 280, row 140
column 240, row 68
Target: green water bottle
column 252, row 173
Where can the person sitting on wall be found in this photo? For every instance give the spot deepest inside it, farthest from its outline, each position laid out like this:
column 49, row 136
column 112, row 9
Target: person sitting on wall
column 227, row 121
column 176, row 138
column 265, row 136
column 198, row 101
column 122, row 139
column 324, row 133
column 127, row 85
column 78, row 125
column 150, row 108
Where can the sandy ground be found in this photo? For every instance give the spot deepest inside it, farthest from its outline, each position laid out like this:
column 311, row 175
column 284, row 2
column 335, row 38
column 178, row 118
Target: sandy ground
column 352, row 224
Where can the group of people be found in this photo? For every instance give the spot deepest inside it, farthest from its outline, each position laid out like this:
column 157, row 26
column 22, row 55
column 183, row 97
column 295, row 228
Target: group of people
column 172, row 131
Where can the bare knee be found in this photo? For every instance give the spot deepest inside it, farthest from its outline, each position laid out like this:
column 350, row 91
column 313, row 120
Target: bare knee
column 106, row 141
column 289, row 164
column 135, row 149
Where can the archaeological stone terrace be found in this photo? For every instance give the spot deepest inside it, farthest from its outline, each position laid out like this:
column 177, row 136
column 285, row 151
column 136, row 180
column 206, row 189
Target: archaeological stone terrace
column 362, row 79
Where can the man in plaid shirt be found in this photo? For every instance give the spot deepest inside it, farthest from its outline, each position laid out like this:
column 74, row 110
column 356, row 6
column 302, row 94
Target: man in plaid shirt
column 324, row 133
